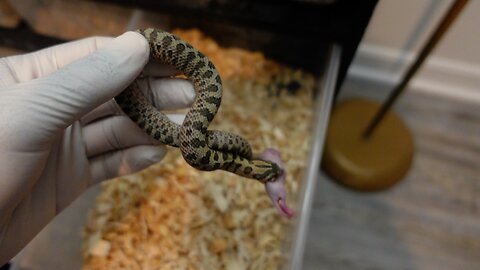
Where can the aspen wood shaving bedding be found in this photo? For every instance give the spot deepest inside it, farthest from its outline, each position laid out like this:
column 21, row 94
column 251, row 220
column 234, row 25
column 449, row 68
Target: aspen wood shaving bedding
column 172, row 216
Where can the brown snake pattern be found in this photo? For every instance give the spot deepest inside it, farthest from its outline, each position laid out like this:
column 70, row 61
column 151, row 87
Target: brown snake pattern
column 202, row 148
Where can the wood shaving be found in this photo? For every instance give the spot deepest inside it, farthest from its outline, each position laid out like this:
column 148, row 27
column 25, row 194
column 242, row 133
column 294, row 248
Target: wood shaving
column 172, row 216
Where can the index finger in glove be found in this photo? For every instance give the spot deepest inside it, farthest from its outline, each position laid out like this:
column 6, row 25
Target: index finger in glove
column 26, row 67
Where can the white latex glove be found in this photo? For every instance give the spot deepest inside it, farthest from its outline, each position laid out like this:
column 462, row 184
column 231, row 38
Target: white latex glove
column 61, row 132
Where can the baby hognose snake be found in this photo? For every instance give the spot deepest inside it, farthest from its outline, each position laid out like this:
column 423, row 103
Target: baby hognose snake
column 202, row 148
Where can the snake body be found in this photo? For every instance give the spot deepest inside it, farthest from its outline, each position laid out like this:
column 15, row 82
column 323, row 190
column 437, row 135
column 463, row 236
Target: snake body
column 202, row 148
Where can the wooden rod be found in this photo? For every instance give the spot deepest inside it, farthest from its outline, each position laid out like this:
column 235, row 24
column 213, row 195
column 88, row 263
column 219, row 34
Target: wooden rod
column 442, row 28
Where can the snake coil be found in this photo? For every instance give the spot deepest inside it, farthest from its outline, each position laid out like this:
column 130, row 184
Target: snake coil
column 202, row 148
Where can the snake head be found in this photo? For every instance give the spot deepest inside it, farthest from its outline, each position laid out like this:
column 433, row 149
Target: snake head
column 273, row 173
column 276, row 188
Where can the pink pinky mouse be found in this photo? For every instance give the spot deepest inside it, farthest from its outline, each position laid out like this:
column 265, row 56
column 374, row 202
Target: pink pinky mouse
column 276, row 189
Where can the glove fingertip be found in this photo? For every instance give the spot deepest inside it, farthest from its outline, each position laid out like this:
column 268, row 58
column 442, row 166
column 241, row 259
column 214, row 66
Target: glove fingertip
column 143, row 157
column 131, row 45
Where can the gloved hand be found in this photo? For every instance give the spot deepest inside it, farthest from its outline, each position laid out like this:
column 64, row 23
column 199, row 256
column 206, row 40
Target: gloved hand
column 61, row 132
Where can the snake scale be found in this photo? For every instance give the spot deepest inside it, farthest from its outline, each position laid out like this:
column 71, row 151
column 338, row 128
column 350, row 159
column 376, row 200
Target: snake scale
column 203, row 149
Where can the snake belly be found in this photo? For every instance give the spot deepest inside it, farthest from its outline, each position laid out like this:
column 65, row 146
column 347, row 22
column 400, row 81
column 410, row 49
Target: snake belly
column 203, row 149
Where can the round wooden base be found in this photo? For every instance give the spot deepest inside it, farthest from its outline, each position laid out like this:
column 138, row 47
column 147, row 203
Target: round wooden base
column 366, row 164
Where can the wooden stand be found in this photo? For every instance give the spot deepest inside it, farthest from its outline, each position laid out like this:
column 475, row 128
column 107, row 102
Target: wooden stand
column 368, row 147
